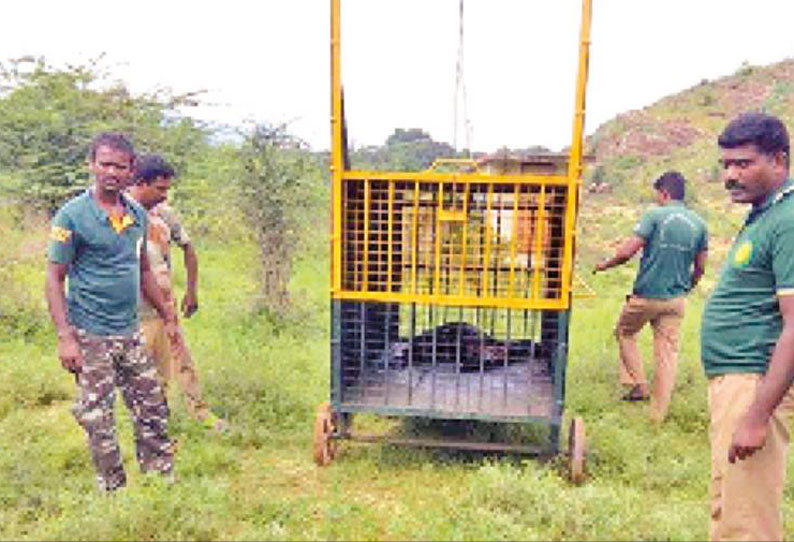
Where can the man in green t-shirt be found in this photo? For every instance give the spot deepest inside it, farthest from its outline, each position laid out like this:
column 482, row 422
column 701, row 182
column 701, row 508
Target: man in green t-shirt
column 98, row 243
column 674, row 243
column 747, row 336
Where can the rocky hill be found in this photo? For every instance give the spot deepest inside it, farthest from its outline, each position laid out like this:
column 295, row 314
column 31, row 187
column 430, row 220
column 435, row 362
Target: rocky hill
column 677, row 132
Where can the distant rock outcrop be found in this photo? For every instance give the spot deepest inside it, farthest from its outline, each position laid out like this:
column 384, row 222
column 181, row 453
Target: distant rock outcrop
column 680, row 131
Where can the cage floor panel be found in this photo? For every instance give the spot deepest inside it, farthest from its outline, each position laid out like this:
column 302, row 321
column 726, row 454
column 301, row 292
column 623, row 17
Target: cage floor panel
column 520, row 389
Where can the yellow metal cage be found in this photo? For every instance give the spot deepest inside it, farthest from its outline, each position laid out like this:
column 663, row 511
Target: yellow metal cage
column 451, row 287
column 455, row 238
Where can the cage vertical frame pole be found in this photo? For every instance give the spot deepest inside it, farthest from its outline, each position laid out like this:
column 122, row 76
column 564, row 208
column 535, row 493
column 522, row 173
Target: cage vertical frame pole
column 415, row 237
column 513, row 242
column 337, row 163
column 464, row 240
column 390, row 228
column 367, row 203
column 575, row 157
column 537, row 251
column 437, row 266
column 487, row 255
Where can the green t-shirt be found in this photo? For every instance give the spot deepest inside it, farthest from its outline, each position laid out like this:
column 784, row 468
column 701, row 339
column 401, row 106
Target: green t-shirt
column 673, row 236
column 103, row 263
column 741, row 320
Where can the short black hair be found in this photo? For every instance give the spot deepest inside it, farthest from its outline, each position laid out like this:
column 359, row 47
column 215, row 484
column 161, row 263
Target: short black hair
column 151, row 166
column 766, row 132
column 673, row 183
column 113, row 140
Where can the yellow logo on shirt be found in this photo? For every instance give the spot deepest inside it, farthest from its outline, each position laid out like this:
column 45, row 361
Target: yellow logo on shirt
column 121, row 222
column 60, row 234
column 743, row 254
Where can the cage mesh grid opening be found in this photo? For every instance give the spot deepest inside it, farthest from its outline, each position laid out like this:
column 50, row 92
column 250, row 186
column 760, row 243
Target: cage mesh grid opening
column 483, row 361
column 473, row 240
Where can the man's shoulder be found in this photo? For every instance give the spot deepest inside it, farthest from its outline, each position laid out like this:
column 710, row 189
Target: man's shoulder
column 787, row 198
column 688, row 214
column 694, row 215
column 76, row 204
column 167, row 214
column 782, row 214
column 652, row 212
column 136, row 208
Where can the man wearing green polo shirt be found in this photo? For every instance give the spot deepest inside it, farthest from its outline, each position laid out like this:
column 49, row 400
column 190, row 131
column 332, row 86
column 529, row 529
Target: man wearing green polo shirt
column 98, row 242
column 747, row 336
column 674, row 244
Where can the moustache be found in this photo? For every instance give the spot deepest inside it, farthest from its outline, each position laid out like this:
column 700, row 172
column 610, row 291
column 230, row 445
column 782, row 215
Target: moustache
column 730, row 184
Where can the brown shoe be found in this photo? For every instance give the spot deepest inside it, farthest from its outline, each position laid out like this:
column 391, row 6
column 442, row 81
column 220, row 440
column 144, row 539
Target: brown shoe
column 636, row 393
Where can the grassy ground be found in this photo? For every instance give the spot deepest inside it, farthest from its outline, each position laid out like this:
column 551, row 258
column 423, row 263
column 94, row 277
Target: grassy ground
column 259, row 481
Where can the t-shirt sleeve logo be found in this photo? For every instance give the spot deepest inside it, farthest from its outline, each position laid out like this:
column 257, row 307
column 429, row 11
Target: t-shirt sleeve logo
column 743, row 254
column 62, row 235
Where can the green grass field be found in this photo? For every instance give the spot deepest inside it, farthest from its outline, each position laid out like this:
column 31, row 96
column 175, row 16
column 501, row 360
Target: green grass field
column 259, row 480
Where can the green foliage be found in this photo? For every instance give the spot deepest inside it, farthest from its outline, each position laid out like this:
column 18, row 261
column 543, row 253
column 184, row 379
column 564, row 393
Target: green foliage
column 404, row 150
column 48, row 117
column 745, row 69
column 279, row 194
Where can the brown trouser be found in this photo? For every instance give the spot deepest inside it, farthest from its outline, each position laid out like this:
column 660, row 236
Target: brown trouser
column 173, row 361
column 746, row 495
column 665, row 316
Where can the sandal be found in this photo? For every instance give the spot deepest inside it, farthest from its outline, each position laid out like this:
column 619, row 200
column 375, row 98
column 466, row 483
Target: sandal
column 634, row 394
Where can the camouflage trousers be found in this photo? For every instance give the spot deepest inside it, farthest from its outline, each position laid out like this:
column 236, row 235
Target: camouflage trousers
column 108, row 362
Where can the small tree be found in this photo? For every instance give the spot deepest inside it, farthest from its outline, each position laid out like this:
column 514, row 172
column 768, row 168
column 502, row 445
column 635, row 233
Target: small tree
column 48, row 117
column 276, row 191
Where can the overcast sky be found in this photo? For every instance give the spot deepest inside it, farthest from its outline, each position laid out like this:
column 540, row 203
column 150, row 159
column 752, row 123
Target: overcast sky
column 268, row 60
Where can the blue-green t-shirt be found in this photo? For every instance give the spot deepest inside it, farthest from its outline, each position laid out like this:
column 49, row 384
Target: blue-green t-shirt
column 673, row 236
column 103, row 260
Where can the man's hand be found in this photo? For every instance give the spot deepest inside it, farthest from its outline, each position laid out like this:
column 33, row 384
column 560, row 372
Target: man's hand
column 748, row 438
column 600, row 266
column 69, row 352
column 172, row 331
column 189, row 304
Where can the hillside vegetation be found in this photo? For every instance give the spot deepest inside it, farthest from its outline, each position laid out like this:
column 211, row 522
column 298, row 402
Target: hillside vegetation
column 677, row 132
column 265, row 367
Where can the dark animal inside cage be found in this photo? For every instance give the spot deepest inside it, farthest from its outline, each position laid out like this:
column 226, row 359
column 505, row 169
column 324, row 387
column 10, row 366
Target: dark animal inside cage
column 461, row 346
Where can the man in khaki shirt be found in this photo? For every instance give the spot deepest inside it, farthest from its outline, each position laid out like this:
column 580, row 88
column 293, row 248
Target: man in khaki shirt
column 152, row 181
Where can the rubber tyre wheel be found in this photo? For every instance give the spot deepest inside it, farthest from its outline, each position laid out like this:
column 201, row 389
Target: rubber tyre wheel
column 577, row 450
column 324, row 426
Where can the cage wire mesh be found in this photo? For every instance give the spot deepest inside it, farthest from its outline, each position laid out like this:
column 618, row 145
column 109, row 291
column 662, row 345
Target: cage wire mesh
column 450, row 275
column 454, row 243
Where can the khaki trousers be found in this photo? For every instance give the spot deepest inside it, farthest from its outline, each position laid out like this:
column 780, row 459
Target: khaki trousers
column 746, row 495
column 665, row 316
column 174, row 362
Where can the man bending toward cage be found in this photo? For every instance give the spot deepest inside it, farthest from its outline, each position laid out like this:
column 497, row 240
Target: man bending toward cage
column 674, row 243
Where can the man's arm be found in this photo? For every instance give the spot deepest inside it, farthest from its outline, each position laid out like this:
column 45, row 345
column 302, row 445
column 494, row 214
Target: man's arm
column 628, row 249
column 54, row 286
column 151, row 291
column 751, row 433
column 190, row 300
column 698, row 268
